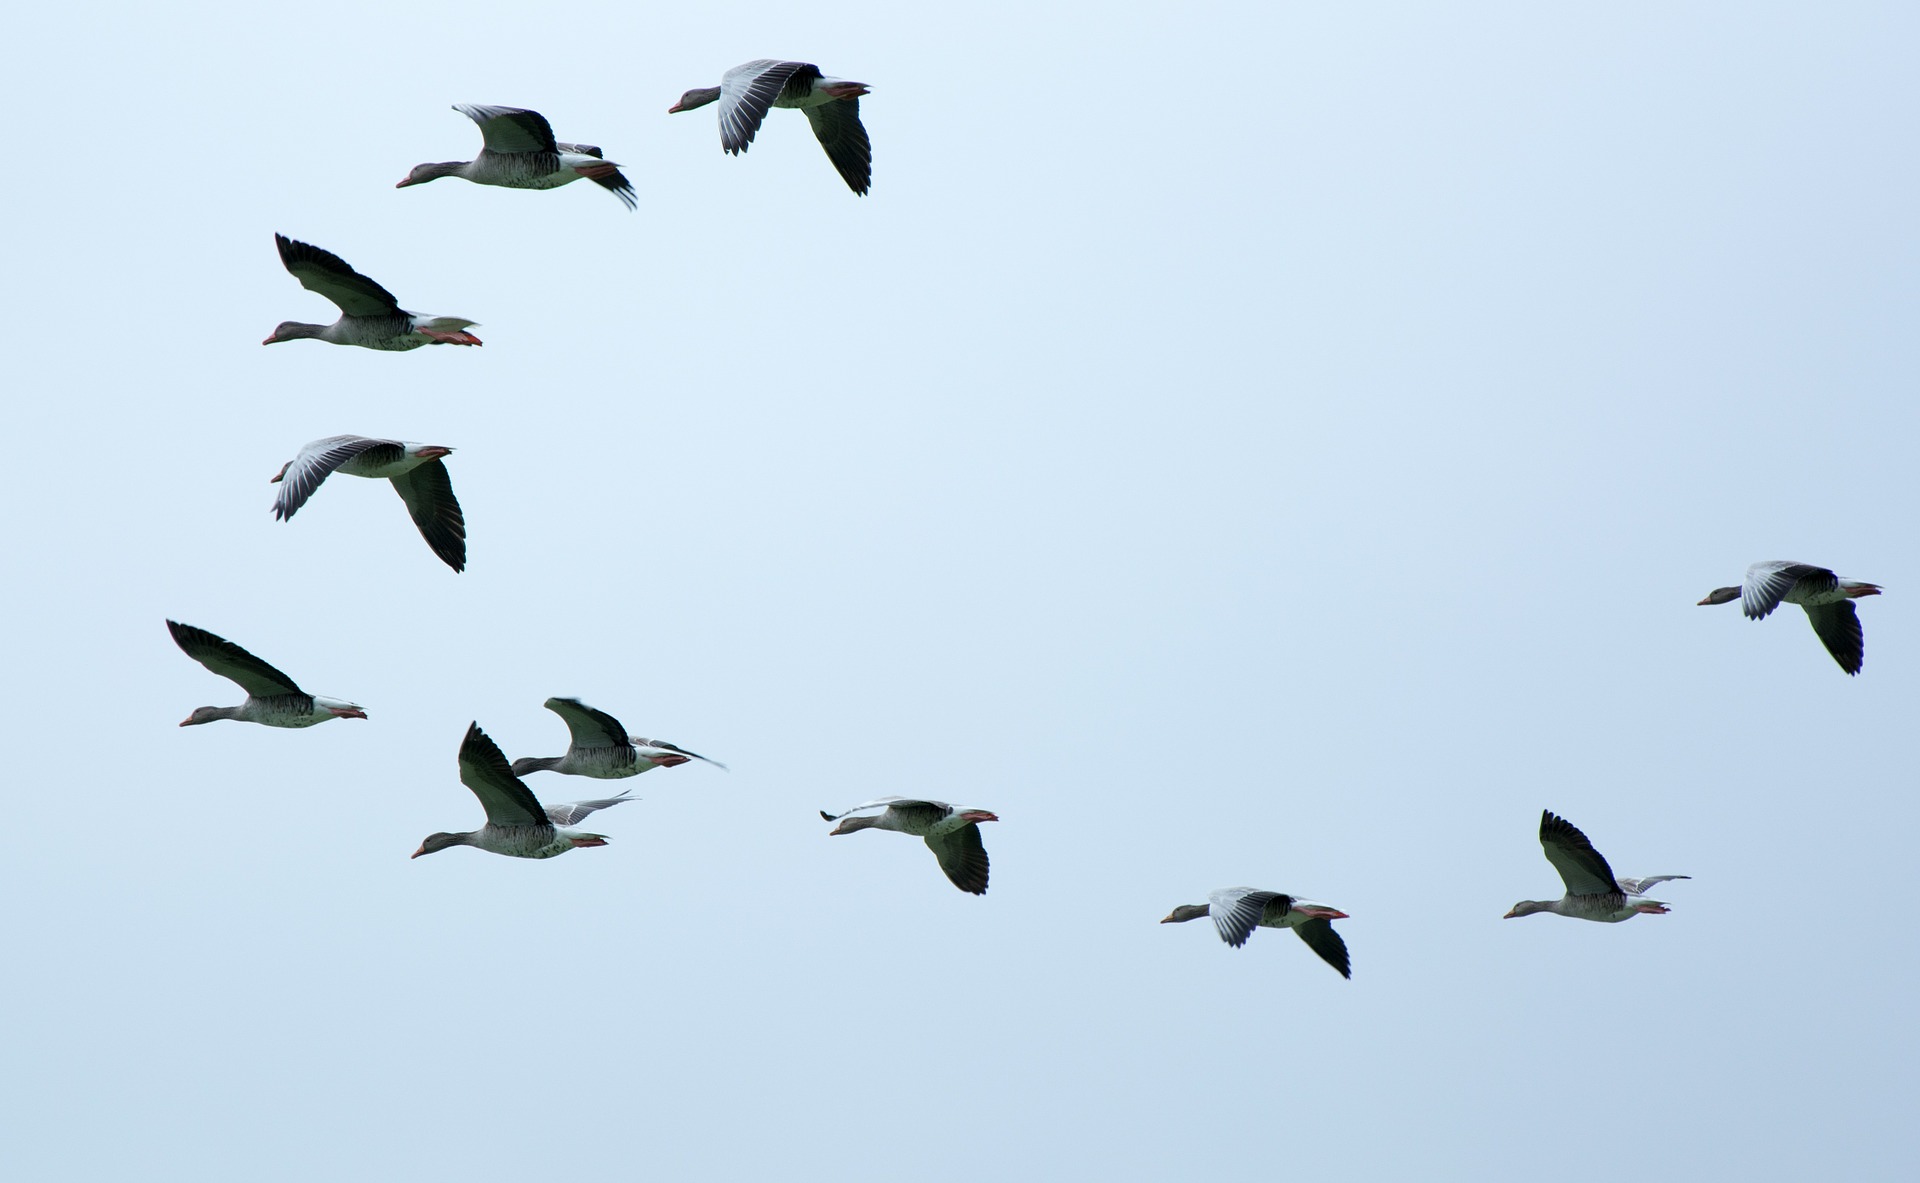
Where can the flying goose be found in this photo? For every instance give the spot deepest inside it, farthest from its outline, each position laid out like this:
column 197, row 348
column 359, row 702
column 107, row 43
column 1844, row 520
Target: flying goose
column 1827, row 598
column 517, row 825
column 272, row 697
column 832, row 106
column 952, row 835
column 415, row 470
column 600, row 747
column 1237, row 911
column 1593, row 893
column 520, row 152
column 369, row 315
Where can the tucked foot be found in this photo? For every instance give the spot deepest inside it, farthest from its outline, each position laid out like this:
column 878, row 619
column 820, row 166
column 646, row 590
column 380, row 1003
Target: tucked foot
column 459, row 338
column 1322, row 913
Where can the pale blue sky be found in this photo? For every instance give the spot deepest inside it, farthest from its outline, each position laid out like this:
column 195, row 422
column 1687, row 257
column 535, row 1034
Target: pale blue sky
column 1269, row 444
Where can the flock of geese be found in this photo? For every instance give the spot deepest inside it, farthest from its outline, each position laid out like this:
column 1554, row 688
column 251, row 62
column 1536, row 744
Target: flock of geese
column 519, row 151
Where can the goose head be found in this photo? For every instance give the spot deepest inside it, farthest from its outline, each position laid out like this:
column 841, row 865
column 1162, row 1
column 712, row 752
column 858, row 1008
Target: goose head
column 440, row 841
column 422, row 173
column 699, row 96
column 293, row 330
column 1720, row 595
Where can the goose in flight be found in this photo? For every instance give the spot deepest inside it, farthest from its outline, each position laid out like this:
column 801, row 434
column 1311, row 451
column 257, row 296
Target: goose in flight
column 1827, row 598
column 272, row 697
column 1593, row 893
column 600, row 747
column 1237, row 911
column 520, row 152
column 415, row 470
column 952, row 834
column 832, row 106
column 517, row 825
column 369, row 315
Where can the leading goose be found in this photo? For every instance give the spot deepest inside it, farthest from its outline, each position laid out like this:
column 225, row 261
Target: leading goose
column 832, row 106
column 1237, row 911
column 272, row 697
column 1593, row 893
column 415, row 470
column 1827, row 598
column 520, row 152
column 517, row 825
column 601, row 748
column 952, row 834
column 369, row 315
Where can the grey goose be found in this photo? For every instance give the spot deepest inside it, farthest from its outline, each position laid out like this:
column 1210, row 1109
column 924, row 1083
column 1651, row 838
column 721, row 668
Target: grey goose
column 1237, row 911
column 273, row 699
column 1593, row 892
column 952, row 834
column 415, row 471
column 519, row 152
column 518, row 826
column 832, row 106
column 598, row 746
column 1827, row 598
column 369, row 315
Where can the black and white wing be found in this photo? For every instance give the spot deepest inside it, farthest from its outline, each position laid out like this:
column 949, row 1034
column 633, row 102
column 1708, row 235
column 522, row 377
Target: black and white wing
column 428, row 492
column 1582, row 868
column 317, row 461
column 611, row 179
column 506, row 799
column 1640, row 886
column 1768, row 583
column 230, row 661
column 963, row 856
column 587, row 727
column 747, row 92
column 574, row 811
column 1322, row 939
column 837, row 126
column 511, row 130
column 327, row 274
column 1838, row 627
column 1237, row 911
column 934, row 810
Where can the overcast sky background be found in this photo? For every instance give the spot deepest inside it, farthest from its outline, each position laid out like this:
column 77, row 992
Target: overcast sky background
column 1266, row 444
